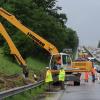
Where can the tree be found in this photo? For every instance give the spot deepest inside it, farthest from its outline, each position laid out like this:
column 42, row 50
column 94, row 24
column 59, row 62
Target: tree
column 42, row 17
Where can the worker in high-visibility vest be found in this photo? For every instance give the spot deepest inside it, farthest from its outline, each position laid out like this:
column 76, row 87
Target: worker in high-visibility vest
column 93, row 74
column 48, row 78
column 62, row 77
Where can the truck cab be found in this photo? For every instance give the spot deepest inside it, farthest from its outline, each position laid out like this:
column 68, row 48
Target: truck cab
column 65, row 61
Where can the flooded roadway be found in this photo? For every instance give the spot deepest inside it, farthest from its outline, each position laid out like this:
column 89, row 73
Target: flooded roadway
column 86, row 91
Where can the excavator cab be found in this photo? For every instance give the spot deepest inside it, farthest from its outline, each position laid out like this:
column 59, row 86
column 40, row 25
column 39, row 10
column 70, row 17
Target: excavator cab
column 60, row 60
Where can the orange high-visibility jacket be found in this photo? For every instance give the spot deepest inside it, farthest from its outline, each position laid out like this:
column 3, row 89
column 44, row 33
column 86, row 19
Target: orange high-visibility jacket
column 93, row 71
column 86, row 75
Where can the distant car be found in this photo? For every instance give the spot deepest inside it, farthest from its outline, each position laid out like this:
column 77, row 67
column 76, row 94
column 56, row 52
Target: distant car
column 98, row 56
column 91, row 58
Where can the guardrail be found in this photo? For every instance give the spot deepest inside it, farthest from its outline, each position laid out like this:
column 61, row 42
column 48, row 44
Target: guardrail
column 14, row 91
column 88, row 51
column 92, row 55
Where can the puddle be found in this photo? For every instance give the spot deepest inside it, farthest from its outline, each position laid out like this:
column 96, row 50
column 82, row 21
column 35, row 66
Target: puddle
column 50, row 96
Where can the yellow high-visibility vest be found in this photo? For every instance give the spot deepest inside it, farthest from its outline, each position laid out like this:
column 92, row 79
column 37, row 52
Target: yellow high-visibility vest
column 48, row 76
column 62, row 75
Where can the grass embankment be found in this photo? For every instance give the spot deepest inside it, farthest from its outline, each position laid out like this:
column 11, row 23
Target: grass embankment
column 28, row 95
column 7, row 68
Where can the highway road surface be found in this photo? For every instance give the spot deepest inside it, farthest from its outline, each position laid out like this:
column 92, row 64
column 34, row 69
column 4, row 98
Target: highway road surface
column 86, row 91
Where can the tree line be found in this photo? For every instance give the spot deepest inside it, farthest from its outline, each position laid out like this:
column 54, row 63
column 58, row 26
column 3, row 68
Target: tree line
column 42, row 17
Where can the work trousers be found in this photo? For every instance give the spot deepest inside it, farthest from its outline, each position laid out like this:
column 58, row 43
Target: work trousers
column 49, row 86
column 62, row 85
column 93, row 78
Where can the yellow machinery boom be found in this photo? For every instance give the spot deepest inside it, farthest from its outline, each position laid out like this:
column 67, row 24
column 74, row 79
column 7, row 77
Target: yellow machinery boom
column 68, row 66
column 36, row 38
column 13, row 48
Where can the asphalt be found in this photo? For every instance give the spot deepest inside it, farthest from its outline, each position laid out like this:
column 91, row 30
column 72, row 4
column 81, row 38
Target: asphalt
column 86, row 91
column 89, row 91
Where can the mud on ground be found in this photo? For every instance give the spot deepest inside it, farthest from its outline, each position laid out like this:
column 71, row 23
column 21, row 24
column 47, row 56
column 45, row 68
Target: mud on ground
column 16, row 80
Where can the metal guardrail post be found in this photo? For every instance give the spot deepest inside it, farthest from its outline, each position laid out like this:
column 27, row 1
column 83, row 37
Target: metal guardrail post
column 14, row 91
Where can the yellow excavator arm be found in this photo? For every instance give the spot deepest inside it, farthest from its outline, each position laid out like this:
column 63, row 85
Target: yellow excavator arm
column 36, row 38
column 13, row 48
column 66, row 62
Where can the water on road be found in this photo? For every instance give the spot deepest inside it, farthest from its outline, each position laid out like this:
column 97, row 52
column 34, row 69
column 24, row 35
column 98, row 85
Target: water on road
column 86, row 91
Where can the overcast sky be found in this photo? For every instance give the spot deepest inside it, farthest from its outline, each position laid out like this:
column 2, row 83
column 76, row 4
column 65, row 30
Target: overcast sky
column 84, row 17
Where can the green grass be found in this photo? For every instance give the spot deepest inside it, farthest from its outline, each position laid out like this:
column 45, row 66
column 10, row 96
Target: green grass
column 28, row 95
column 8, row 67
column 36, row 65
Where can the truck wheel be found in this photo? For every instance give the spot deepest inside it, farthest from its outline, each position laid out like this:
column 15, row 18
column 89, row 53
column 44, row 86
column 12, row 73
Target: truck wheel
column 76, row 83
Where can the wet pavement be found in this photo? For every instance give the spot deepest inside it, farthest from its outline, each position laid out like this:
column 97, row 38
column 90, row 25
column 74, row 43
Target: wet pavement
column 86, row 91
